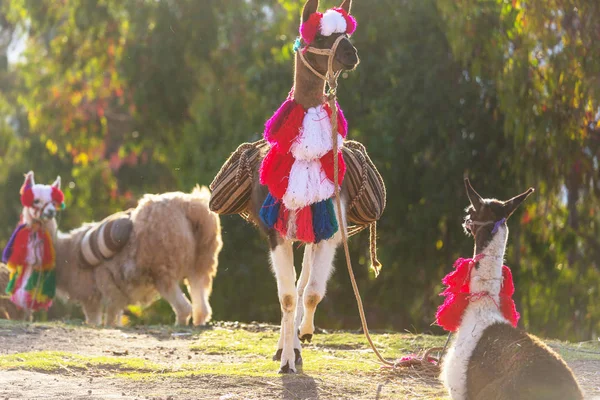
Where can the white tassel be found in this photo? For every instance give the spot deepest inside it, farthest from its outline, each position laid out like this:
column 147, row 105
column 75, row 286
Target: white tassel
column 308, row 184
column 314, row 140
column 332, row 22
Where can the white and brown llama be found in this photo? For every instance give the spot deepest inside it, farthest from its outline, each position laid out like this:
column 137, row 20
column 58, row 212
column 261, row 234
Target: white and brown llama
column 294, row 200
column 174, row 237
column 490, row 358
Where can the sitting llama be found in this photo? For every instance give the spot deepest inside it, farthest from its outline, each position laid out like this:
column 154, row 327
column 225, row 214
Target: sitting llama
column 489, row 358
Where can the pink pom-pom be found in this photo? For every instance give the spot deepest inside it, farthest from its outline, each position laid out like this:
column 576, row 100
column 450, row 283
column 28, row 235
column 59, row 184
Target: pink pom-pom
column 351, row 23
column 309, row 29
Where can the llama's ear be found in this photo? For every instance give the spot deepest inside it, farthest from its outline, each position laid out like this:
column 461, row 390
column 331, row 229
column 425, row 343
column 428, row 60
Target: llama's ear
column 310, row 7
column 56, row 183
column 29, row 181
column 346, row 6
column 474, row 197
column 511, row 205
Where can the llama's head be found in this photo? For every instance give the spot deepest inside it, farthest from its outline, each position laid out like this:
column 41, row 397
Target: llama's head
column 486, row 218
column 322, row 31
column 40, row 202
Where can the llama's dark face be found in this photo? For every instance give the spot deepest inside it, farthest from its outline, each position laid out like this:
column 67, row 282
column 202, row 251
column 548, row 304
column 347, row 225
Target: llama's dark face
column 346, row 55
column 485, row 216
column 332, row 25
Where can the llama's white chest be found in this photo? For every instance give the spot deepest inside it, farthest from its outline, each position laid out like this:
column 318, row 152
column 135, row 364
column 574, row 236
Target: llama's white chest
column 478, row 316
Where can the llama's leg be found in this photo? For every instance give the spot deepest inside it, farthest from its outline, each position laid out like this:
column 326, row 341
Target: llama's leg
column 93, row 312
column 180, row 304
column 282, row 258
column 303, row 281
column 114, row 312
column 320, row 270
column 200, row 286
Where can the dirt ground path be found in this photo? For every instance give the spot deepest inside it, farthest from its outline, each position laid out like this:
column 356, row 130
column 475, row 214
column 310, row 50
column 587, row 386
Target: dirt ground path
column 226, row 362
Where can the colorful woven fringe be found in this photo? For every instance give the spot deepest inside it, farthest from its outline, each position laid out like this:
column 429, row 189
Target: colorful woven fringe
column 299, row 172
column 32, row 287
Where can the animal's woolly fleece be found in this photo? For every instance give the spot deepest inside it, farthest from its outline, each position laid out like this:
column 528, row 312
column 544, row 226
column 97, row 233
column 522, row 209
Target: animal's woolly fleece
column 458, row 295
column 299, row 168
column 29, row 253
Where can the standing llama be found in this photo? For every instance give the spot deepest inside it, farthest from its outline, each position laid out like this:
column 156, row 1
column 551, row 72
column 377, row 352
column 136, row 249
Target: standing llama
column 491, row 359
column 294, row 200
column 174, row 236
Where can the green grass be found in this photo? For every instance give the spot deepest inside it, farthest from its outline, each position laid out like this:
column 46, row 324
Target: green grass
column 341, row 362
column 54, row 361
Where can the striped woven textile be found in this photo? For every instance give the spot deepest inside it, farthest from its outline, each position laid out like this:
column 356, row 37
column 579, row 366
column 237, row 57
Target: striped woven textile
column 232, row 187
column 103, row 240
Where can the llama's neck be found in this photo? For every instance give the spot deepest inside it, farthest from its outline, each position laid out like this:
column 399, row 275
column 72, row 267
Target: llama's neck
column 308, row 88
column 487, row 277
column 482, row 311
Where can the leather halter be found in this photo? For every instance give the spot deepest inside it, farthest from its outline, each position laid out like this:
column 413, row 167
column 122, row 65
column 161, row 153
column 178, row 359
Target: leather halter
column 330, row 53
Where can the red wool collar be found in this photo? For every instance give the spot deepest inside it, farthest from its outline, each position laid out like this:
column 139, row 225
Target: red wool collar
column 458, row 295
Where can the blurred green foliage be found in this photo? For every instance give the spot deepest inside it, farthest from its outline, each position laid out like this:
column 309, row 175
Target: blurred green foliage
column 127, row 97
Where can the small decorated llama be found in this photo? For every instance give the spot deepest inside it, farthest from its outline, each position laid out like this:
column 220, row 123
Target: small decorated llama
column 489, row 358
column 29, row 254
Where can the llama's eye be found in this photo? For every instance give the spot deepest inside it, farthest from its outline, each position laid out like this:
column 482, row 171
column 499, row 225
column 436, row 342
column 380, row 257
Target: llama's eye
column 319, row 39
column 36, row 202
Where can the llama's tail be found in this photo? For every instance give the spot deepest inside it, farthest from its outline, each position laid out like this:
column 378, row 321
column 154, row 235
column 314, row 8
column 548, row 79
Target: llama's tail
column 207, row 230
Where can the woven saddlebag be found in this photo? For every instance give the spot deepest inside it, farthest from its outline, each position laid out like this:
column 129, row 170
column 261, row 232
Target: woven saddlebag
column 232, row 187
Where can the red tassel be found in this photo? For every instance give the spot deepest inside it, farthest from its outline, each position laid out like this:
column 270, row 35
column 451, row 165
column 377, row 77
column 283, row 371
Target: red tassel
column 327, row 164
column 275, row 172
column 449, row 315
column 507, row 304
column 288, row 130
column 458, row 280
column 304, row 225
column 19, row 251
column 27, row 197
column 282, row 221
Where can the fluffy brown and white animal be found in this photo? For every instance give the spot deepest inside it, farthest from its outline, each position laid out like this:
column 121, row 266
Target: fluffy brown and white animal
column 174, row 237
column 489, row 359
column 295, row 202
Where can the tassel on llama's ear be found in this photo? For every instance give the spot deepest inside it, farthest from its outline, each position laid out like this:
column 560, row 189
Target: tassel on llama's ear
column 26, row 193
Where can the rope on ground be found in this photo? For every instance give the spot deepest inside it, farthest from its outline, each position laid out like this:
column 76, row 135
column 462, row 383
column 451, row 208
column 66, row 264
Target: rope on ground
column 426, row 363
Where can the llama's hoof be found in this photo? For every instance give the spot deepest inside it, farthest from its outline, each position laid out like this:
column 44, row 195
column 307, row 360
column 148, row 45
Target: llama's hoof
column 286, row 369
column 277, row 356
column 298, row 357
column 307, row 337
